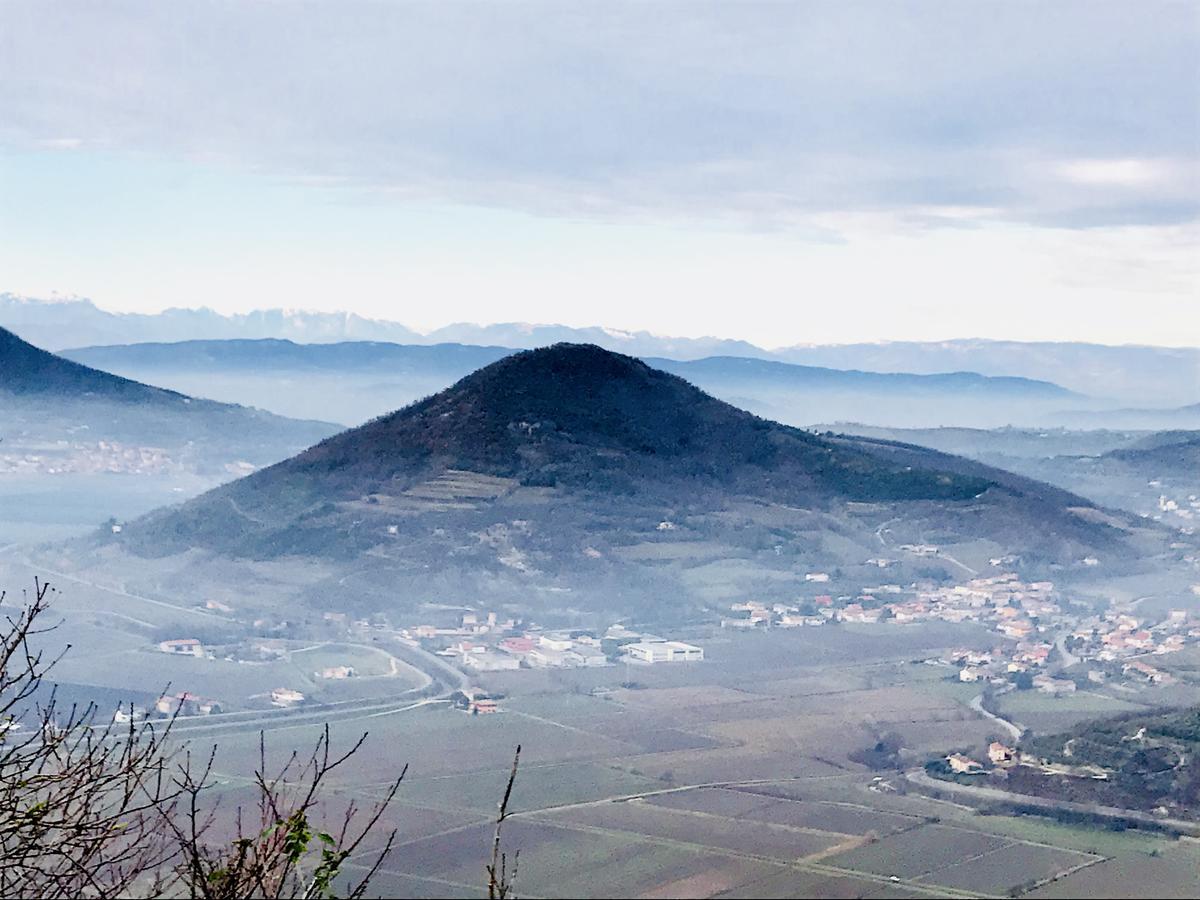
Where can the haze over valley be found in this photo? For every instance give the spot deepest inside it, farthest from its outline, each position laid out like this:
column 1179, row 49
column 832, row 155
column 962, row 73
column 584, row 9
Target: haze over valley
column 457, row 449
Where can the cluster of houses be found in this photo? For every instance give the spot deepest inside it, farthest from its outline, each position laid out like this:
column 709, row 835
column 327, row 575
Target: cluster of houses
column 1184, row 509
column 1002, row 758
column 483, row 644
column 1030, row 615
column 102, row 456
column 168, row 706
column 1014, row 607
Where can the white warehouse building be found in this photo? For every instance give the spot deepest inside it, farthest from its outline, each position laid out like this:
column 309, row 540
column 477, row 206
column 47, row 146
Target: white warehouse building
column 663, row 651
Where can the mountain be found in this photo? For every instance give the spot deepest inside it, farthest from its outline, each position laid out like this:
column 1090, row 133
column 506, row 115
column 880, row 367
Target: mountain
column 59, row 415
column 733, row 369
column 355, row 381
column 1156, row 376
column 633, row 343
column 1165, row 376
column 29, row 372
column 1170, row 452
column 72, row 323
column 575, row 477
column 215, row 356
column 349, row 382
column 60, row 324
column 803, row 395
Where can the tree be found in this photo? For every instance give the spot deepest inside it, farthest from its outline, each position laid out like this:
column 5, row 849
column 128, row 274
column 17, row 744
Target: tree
column 97, row 809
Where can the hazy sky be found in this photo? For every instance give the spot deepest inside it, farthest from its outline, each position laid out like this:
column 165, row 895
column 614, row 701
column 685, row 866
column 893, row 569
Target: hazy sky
column 783, row 172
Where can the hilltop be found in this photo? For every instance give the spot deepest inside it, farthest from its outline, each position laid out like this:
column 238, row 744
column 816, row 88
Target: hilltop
column 573, row 475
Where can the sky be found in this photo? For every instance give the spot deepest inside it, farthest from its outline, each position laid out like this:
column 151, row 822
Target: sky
column 777, row 172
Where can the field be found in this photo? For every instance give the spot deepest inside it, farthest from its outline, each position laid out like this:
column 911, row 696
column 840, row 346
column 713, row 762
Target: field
column 1047, row 713
column 730, row 777
column 719, row 779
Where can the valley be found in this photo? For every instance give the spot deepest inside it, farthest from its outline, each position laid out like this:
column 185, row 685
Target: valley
column 830, row 613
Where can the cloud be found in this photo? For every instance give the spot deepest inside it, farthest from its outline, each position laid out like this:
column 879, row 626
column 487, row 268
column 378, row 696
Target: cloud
column 1070, row 114
column 1127, row 173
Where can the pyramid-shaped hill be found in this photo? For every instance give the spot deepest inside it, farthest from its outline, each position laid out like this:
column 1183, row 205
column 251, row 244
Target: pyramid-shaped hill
column 571, row 452
column 578, row 416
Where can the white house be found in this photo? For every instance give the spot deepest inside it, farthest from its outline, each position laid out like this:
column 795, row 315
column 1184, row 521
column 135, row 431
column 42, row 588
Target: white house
column 663, row 651
column 491, row 662
column 182, row 647
column 286, row 697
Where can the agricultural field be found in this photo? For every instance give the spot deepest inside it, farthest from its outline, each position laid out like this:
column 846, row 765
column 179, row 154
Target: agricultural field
column 707, row 780
column 730, row 777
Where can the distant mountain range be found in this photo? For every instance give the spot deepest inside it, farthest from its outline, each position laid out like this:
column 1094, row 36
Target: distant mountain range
column 77, row 322
column 1137, row 376
column 573, row 477
column 1133, row 376
column 355, row 381
column 74, row 323
column 52, row 407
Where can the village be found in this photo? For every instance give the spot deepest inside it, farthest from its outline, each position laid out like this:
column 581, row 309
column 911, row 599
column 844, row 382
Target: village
column 111, row 457
column 1039, row 632
column 1044, row 641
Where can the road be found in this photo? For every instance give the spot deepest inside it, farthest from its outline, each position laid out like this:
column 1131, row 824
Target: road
column 275, row 720
column 430, row 663
column 961, row 565
column 1012, row 728
column 122, row 593
column 1068, row 658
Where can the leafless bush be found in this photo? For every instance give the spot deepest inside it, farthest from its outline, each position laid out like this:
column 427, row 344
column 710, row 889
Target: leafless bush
column 502, row 883
column 94, row 809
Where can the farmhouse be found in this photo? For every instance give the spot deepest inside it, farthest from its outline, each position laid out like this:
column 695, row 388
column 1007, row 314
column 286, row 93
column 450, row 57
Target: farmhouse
column 963, row 765
column 1001, row 755
column 286, row 697
column 1047, row 684
column 185, row 704
column 1146, row 671
column 337, row 672
column 182, row 647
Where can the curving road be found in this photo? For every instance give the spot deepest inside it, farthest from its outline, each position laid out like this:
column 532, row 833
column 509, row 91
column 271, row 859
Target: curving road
column 1013, row 728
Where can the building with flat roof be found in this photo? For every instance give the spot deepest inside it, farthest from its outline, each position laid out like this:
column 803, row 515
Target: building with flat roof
column 663, row 651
